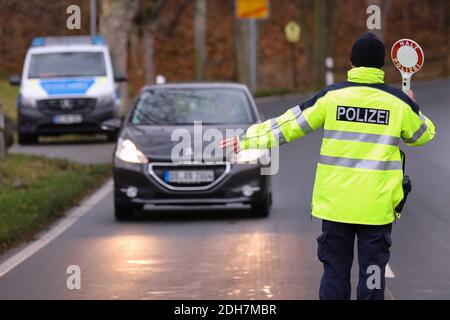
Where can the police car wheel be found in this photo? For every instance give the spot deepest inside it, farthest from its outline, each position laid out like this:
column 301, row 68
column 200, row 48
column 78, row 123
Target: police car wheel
column 123, row 212
column 26, row 139
column 262, row 209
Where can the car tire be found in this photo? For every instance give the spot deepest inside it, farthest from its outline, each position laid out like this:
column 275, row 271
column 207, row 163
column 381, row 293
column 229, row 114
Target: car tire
column 123, row 212
column 27, row 139
column 262, row 209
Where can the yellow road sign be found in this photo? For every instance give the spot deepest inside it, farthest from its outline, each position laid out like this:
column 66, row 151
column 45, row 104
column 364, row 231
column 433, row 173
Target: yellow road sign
column 292, row 31
column 252, row 9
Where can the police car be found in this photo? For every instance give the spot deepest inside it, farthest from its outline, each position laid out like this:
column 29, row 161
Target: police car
column 67, row 86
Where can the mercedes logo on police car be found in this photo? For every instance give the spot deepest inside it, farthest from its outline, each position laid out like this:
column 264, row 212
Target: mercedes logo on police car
column 66, row 104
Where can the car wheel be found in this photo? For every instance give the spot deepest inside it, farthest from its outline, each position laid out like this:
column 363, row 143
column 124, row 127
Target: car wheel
column 26, row 139
column 262, row 209
column 123, row 212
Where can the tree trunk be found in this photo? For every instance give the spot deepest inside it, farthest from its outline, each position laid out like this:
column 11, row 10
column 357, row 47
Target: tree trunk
column 331, row 11
column 306, row 36
column 135, row 58
column 115, row 22
column 200, row 38
column 149, row 51
column 320, row 42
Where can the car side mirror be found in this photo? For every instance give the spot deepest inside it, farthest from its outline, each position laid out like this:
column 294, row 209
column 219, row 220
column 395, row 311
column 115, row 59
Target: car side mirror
column 120, row 78
column 14, row 80
column 112, row 125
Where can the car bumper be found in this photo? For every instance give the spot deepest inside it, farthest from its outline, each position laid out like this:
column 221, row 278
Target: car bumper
column 151, row 192
column 34, row 121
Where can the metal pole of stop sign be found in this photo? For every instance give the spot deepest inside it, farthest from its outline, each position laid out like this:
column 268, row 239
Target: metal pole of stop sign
column 408, row 58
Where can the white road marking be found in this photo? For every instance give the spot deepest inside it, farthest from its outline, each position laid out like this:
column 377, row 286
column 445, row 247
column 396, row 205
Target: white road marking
column 55, row 231
column 388, row 273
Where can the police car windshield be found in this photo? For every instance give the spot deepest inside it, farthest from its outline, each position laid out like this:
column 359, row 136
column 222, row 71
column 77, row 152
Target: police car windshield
column 184, row 106
column 67, row 64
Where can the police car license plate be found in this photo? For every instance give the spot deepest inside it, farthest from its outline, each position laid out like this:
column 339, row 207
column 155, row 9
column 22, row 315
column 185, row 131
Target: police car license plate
column 188, row 177
column 67, row 119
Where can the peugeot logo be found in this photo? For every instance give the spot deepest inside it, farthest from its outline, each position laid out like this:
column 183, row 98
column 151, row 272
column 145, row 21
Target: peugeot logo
column 66, row 104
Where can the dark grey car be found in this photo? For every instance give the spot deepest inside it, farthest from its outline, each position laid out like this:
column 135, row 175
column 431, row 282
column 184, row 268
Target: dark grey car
column 147, row 167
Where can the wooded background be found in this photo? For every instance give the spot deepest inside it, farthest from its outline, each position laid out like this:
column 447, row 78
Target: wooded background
column 188, row 40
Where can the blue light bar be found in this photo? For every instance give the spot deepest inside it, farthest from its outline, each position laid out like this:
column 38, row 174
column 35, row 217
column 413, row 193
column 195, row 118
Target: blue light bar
column 98, row 40
column 38, row 42
column 68, row 40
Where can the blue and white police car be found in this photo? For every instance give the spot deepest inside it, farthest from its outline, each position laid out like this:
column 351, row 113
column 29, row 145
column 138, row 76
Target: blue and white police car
column 67, row 86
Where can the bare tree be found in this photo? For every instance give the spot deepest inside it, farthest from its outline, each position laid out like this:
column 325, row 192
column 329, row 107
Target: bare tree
column 115, row 22
column 200, row 38
column 306, row 35
column 320, row 42
column 148, row 20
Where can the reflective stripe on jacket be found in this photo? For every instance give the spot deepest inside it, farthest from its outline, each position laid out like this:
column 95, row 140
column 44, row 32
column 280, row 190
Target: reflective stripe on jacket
column 359, row 174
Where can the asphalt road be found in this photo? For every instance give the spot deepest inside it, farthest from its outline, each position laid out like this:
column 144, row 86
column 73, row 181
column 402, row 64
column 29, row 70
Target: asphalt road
column 206, row 254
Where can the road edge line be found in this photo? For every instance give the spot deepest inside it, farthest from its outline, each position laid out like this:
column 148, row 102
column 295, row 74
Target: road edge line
column 72, row 216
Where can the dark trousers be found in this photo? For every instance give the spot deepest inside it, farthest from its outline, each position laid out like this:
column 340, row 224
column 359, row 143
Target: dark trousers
column 335, row 251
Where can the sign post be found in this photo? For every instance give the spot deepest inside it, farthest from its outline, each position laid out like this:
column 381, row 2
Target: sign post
column 408, row 58
column 252, row 10
column 292, row 31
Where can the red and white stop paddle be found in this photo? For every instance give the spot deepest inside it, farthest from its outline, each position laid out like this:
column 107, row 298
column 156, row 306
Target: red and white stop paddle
column 408, row 57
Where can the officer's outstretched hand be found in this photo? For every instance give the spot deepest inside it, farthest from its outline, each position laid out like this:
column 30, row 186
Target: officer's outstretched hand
column 411, row 95
column 232, row 143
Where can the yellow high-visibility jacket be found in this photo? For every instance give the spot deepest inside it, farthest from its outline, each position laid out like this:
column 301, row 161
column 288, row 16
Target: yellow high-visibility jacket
column 359, row 174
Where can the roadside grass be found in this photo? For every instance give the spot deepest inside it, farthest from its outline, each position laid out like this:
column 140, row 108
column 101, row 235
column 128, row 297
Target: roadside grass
column 35, row 191
column 8, row 96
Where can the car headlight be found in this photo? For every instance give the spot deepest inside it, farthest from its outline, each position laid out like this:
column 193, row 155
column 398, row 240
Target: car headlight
column 27, row 101
column 128, row 152
column 252, row 156
column 107, row 99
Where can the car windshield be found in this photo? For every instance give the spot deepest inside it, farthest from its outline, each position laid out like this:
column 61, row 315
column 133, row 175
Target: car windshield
column 184, row 106
column 67, row 64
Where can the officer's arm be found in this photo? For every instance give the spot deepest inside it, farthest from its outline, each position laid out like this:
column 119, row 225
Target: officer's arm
column 417, row 129
column 293, row 124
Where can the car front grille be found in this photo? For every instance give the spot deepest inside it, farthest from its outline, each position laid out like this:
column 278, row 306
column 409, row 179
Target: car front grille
column 72, row 105
column 157, row 170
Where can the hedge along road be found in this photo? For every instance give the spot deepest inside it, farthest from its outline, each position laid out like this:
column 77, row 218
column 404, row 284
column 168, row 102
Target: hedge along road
column 223, row 255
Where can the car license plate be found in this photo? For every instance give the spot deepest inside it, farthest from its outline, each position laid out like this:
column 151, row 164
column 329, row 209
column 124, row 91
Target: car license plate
column 67, row 119
column 191, row 176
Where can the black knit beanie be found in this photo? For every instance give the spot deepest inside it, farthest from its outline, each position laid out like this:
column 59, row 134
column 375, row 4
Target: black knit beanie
column 368, row 51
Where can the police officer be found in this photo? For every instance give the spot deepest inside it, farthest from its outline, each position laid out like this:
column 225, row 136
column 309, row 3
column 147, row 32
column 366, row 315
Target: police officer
column 359, row 175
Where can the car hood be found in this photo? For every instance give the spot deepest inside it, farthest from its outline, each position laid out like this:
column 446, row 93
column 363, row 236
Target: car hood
column 155, row 141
